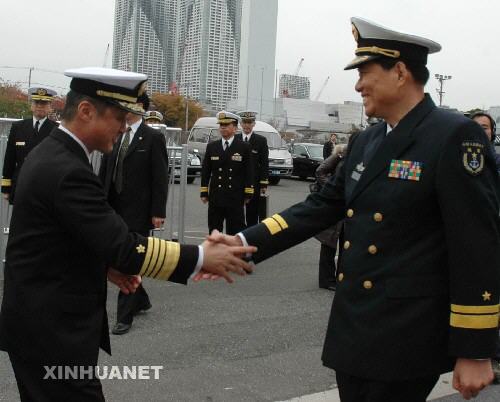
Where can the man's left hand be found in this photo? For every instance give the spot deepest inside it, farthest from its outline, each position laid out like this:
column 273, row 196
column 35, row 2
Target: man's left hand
column 126, row 283
column 471, row 376
column 157, row 222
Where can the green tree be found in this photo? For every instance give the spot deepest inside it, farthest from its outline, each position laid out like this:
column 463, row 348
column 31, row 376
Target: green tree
column 173, row 108
column 13, row 101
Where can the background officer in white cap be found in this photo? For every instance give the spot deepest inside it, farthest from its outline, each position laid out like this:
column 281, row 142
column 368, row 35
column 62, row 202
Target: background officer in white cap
column 26, row 135
column 226, row 177
column 153, row 117
column 418, row 288
column 64, row 236
column 260, row 162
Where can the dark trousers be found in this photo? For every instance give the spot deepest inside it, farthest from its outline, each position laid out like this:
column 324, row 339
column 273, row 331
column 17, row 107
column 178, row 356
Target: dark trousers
column 33, row 388
column 233, row 215
column 252, row 210
column 355, row 389
column 327, row 268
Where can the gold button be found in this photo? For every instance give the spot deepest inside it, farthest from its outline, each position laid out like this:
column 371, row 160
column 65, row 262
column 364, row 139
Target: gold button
column 220, row 186
column 220, row 177
column 350, row 213
column 367, row 284
column 230, row 178
column 378, row 217
column 220, row 169
column 341, row 277
column 230, row 170
column 372, row 249
column 347, row 244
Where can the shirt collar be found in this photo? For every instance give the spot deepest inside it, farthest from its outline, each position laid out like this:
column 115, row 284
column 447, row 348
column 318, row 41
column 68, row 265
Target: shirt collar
column 134, row 127
column 247, row 136
column 64, row 129
column 230, row 140
column 41, row 121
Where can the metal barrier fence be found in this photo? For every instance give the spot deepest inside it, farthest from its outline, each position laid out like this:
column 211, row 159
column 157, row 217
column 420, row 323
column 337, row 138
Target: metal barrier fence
column 176, row 201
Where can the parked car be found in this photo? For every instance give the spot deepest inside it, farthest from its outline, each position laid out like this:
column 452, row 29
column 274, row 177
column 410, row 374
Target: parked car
column 173, row 138
column 206, row 129
column 306, row 159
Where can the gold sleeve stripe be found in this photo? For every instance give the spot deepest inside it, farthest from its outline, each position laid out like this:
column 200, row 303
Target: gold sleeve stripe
column 149, row 269
column 162, row 252
column 147, row 258
column 474, row 321
column 455, row 308
column 6, row 182
column 278, row 218
column 154, row 257
column 172, row 256
column 264, row 182
column 272, row 226
column 203, row 189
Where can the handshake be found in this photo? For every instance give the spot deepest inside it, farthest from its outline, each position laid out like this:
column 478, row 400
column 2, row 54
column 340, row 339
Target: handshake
column 222, row 254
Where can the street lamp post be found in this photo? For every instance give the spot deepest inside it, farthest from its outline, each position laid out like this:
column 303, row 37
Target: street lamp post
column 441, row 78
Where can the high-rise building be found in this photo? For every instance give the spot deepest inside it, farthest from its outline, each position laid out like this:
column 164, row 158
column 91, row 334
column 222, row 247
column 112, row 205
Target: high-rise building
column 259, row 20
column 294, row 86
column 145, row 39
column 200, row 48
column 209, row 60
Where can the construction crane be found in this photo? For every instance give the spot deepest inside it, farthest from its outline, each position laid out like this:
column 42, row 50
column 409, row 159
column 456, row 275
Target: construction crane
column 322, row 88
column 299, row 66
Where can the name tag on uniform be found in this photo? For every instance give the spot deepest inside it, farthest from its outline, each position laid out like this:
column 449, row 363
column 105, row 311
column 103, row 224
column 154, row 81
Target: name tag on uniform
column 20, row 144
column 214, row 158
column 355, row 175
column 254, row 151
column 405, row 170
column 236, row 157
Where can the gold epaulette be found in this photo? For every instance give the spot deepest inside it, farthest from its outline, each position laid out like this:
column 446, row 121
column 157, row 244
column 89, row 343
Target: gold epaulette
column 248, row 190
column 6, row 182
column 161, row 258
column 203, row 189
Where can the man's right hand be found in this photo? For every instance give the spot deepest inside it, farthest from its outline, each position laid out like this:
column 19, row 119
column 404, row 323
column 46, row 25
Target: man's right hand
column 218, row 237
column 220, row 259
column 204, row 200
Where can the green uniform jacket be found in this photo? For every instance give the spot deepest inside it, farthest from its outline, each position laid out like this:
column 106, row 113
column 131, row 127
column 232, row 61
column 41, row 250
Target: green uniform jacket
column 419, row 284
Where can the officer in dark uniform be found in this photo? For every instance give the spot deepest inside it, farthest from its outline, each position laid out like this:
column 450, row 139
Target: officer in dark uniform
column 226, row 177
column 418, row 288
column 64, row 236
column 24, row 136
column 260, row 159
column 135, row 177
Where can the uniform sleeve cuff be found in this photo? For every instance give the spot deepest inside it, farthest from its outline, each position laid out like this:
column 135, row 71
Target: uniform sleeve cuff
column 199, row 263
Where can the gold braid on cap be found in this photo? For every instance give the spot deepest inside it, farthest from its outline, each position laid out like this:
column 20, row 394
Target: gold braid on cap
column 378, row 50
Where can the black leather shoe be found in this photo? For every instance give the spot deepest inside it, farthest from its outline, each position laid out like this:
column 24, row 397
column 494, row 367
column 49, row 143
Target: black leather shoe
column 120, row 328
column 144, row 307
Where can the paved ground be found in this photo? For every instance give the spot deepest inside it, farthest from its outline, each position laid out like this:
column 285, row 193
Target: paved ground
column 259, row 339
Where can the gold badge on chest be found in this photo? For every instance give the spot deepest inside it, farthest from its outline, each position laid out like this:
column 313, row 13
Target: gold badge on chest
column 237, row 157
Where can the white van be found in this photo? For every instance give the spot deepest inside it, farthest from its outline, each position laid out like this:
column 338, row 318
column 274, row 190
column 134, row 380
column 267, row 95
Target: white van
column 206, row 129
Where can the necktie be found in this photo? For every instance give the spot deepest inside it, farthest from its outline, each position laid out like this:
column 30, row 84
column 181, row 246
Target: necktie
column 246, row 139
column 118, row 177
column 226, row 145
column 37, row 126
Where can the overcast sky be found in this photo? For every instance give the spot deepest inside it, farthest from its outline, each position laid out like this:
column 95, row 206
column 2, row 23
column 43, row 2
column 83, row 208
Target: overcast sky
column 59, row 34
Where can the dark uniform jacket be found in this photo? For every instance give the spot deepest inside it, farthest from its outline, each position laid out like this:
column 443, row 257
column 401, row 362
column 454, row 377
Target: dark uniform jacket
column 63, row 236
column 22, row 139
column 419, row 283
column 145, row 178
column 229, row 173
column 260, row 159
